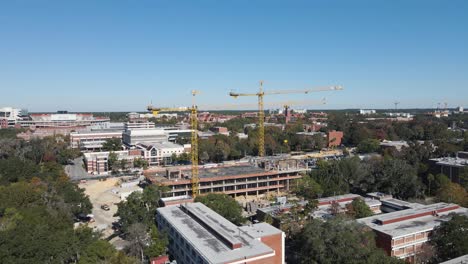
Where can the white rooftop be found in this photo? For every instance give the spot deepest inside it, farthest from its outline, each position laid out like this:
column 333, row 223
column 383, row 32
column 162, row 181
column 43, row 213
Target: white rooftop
column 406, row 222
column 209, row 233
column 459, row 260
column 450, row 161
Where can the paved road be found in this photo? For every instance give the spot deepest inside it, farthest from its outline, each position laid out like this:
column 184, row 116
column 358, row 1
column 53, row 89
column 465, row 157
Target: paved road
column 76, row 171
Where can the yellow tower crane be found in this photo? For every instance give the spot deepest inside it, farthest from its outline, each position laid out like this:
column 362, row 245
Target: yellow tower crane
column 261, row 112
column 194, row 136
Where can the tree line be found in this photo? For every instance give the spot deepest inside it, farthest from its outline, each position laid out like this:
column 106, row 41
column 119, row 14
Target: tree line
column 39, row 205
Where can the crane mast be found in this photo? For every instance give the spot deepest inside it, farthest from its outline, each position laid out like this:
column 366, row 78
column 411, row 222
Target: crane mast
column 261, row 122
column 193, row 111
column 194, row 146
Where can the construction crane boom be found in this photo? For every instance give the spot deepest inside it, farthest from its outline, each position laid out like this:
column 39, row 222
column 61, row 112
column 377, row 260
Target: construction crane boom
column 306, row 91
column 261, row 113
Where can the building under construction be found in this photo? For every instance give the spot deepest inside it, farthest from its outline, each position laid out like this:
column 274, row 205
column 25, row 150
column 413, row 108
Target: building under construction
column 257, row 176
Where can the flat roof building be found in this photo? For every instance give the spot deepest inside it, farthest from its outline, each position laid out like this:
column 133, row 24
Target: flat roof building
column 197, row 234
column 459, row 260
column 398, row 145
column 452, row 166
column 402, row 233
column 233, row 179
column 92, row 140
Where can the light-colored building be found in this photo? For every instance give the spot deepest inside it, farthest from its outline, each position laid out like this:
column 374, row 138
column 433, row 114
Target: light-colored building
column 62, row 119
column 97, row 163
column 197, row 235
column 160, row 153
column 326, row 206
column 366, row 112
column 136, row 125
column 9, row 116
column 92, row 140
column 452, row 166
column 402, row 233
column 131, row 137
column 397, row 145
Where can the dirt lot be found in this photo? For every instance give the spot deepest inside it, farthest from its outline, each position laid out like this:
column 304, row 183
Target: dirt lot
column 100, row 192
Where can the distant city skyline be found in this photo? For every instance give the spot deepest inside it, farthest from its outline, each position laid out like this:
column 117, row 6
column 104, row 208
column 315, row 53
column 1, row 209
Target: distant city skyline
column 94, row 56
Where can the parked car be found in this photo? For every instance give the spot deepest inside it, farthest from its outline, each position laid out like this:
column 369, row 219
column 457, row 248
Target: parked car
column 105, row 207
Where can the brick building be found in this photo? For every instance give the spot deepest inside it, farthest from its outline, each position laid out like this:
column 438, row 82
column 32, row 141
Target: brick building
column 334, row 138
column 197, row 234
column 402, row 233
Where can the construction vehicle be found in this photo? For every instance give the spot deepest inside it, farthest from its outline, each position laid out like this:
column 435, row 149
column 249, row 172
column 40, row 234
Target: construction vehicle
column 261, row 114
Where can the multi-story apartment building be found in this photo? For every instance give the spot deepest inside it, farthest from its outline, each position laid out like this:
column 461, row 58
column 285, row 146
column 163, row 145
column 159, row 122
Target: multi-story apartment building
column 199, row 235
column 402, row 233
column 235, row 179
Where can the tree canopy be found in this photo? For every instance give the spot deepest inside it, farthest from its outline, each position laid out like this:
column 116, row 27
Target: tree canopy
column 358, row 209
column 224, row 205
column 112, row 144
column 450, row 239
column 336, row 241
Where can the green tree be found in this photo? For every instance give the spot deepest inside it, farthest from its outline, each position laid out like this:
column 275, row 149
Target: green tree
column 396, row 177
column 224, row 205
column 113, row 161
column 358, row 209
column 308, row 188
column 450, row 238
column 368, row 146
column 453, row 193
column 158, row 244
column 140, row 163
column 140, row 207
column 112, row 144
column 96, row 252
column 336, row 241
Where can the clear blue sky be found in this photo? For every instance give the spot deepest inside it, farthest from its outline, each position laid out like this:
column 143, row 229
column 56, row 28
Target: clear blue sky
column 120, row 55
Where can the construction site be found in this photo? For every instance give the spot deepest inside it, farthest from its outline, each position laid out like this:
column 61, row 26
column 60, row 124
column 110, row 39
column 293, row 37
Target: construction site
column 256, row 177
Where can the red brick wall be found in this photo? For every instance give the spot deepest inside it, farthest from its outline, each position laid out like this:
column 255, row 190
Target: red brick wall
column 384, row 242
column 275, row 242
column 334, row 138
